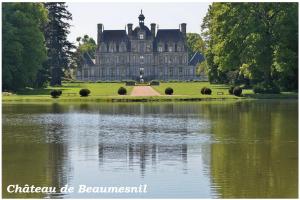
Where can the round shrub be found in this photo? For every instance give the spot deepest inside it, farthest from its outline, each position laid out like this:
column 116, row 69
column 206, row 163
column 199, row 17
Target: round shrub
column 203, row 90
column 122, row 91
column 207, row 91
column 169, row 91
column 55, row 93
column 237, row 91
column 84, row 92
column 231, row 90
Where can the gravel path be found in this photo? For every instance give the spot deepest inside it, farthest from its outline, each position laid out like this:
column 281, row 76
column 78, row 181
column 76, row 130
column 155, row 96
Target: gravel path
column 144, row 91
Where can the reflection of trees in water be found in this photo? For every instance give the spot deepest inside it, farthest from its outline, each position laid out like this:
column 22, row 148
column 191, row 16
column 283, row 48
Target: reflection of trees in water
column 59, row 163
column 256, row 155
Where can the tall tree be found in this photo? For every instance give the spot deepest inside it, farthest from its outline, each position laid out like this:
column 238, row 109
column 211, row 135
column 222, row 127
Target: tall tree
column 195, row 44
column 59, row 48
column 252, row 42
column 86, row 45
column 23, row 43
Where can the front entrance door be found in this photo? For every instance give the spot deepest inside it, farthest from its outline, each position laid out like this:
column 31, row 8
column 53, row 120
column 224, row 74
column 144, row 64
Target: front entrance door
column 141, row 75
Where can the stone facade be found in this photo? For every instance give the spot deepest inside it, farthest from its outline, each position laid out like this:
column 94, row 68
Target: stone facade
column 156, row 54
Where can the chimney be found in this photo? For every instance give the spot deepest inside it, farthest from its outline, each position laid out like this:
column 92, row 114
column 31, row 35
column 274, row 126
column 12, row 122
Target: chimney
column 183, row 29
column 153, row 25
column 99, row 33
column 129, row 29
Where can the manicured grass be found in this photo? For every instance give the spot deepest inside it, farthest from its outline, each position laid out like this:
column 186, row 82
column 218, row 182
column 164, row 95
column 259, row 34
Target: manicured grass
column 97, row 89
column 184, row 91
column 194, row 88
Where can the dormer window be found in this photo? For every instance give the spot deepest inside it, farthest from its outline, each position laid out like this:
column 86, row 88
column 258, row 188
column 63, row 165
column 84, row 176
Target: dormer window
column 170, row 49
column 141, row 36
column 160, row 49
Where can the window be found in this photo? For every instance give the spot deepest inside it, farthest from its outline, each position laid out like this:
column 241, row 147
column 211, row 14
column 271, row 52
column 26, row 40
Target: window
column 160, row 49
column 141, row 59
column 148, row 48
column 141, row 36
column 171, row 70
column 170, row 49
column 161, row 71
column 180, row 70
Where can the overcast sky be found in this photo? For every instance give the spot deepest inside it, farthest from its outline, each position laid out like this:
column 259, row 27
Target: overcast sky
column 117, row 15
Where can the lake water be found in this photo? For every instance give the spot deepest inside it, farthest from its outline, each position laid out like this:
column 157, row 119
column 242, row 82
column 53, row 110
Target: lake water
column 180, row 150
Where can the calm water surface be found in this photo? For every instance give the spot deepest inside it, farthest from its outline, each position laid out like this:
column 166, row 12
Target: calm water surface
column 180, row 150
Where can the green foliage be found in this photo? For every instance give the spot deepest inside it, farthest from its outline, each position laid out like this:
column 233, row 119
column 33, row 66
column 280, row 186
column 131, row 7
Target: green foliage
column 237, row 91
column 194, row 43
column 59, row 48
column 122, row 91
column 130, row 83
column 206, row 91
column 86, row 45
column 264, row 88
column 154, row 82
column 169, row 91
column 56, row 93
column 230, row 90
column 23, row 50
column 203, row 90
column 84, row 92
column 252, row 43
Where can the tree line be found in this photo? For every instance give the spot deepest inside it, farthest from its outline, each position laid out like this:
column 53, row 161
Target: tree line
column 255, row 44
column 35, row 46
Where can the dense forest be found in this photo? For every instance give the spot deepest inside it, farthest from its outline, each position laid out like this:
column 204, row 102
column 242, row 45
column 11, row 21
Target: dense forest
column 254, row 45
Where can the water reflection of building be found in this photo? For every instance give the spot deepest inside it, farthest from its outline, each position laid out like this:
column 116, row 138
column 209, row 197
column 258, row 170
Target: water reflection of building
column 146, row 155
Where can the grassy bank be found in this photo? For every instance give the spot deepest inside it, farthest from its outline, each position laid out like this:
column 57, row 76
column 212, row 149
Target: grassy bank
column 107, row 92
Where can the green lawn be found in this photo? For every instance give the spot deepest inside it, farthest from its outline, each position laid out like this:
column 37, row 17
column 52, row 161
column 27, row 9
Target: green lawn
column 97, row 89
column 193, row 89
column 108, row 92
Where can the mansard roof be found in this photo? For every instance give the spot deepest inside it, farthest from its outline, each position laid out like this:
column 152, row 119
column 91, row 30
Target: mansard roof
column 114, row 35
column 138, row 28
column 87, row 59
column 196, row 59
column 165, row 35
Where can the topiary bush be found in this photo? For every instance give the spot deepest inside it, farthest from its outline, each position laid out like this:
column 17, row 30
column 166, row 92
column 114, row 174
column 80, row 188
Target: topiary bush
column 122, row 91
column 55, row 93
column 203, row 90
column 237, row 91
column 207, row 91
column 84, row 92
column 169, row 91
column 154, row 82
column 130, row 83
column 231, row 90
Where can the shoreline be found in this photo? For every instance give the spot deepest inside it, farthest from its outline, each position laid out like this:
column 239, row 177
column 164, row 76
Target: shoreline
column 163, row 98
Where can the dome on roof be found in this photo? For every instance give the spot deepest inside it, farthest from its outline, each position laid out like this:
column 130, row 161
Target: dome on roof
column 141, row 16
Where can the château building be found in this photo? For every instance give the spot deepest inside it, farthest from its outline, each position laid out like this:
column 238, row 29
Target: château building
column 156, row 54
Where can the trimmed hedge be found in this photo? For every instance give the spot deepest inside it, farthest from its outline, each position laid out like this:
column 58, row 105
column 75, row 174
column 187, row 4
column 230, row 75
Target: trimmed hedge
column 237, row 91
column 130, row 83
column 154, row 83
column 206, row 91
column 84, row 92
column 169, row 91
column 122, row 91
column 56, row 93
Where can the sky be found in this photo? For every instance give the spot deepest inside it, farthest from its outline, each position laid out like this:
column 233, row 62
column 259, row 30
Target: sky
column 86, row 16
